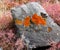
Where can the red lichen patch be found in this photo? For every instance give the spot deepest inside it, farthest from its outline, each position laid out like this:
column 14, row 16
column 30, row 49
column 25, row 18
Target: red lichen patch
column 38, row 20
column 26, row 21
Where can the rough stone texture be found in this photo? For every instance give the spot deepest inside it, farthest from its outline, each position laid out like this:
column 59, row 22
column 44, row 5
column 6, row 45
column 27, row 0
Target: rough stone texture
column 40, row 37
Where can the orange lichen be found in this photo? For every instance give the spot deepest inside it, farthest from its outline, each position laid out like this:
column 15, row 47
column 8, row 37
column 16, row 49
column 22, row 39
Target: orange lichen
column 18, row 22
column 35, row 19
column 38, row 20
column 26, row 21
column 49, row 29
column 42, row 21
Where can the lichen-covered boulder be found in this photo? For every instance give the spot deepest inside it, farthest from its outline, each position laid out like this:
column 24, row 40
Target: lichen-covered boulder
column 35, row 35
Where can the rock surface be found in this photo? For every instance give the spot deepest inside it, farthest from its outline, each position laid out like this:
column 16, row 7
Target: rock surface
column 40, row 37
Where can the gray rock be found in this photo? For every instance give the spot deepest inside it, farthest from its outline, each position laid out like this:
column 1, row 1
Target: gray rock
column 40, row 37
